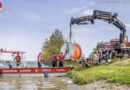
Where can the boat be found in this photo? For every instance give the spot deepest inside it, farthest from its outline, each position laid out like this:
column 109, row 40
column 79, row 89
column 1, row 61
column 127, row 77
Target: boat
column 29, row 71
column 44, row 71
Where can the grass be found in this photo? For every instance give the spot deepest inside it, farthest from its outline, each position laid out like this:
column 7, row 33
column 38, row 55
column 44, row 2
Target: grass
column 70, row 63
column 116, row 71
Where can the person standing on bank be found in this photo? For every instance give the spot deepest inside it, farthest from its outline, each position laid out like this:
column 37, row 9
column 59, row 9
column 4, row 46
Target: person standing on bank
column 61, row 60
column 40, row 59
column 18, row 60
column 54, row 60
column 106, row 55
column 100, row 55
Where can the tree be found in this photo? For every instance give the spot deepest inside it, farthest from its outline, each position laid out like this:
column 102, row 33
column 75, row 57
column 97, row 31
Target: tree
column 51, row 45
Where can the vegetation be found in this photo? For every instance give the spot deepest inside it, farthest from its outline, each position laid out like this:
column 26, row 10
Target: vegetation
column 115, row 71
column 51, row 45
column 93, row 53
column 71, row 63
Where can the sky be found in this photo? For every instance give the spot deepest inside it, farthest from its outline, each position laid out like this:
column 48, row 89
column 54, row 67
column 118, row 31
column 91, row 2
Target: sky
column 25, row 24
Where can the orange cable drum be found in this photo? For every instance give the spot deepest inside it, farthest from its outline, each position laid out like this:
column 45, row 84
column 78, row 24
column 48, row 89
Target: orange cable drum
column 78, row 51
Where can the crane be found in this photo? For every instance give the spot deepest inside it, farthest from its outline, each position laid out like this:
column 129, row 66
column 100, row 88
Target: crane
column 101, row 15
column 107, row 16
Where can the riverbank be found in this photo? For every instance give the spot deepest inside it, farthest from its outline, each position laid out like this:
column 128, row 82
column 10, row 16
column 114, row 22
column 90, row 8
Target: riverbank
column 116, row 72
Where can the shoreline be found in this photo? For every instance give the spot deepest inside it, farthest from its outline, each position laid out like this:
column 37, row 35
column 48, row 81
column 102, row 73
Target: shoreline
column 115, row 72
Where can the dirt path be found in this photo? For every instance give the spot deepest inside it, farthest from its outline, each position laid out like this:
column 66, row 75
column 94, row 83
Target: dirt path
column 104, row 85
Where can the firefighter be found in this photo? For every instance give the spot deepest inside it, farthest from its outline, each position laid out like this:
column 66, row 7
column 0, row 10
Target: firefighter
column 61, row 60
column 18, row 60
column 106, row 55
column 88, row 62
column 100, row 55
column 40, row 59
column 54, row 60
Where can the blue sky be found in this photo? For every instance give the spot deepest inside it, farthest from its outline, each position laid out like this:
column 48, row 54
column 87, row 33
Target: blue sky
column 25, row 24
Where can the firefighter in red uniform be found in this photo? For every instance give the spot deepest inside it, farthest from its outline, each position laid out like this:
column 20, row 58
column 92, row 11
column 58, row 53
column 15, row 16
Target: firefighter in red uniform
column 88, row 62
column 54, row 60
column 61, row 60
column 18, row 59
column 40, row 59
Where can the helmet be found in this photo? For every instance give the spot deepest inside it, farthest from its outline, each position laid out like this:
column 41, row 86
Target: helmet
column 87, row 59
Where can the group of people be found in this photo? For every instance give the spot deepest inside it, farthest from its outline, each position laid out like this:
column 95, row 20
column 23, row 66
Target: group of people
column 85, row 62
column 104, row 54
column 55, row 59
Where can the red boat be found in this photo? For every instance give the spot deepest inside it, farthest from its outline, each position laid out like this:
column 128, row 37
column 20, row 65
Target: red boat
column 44, row 71
column 35, row 71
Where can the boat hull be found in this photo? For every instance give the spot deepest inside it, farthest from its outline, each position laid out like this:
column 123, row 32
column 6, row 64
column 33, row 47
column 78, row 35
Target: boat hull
column 36, row 72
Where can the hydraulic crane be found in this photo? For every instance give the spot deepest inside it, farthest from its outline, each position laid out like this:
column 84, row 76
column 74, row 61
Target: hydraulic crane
column 107, row 16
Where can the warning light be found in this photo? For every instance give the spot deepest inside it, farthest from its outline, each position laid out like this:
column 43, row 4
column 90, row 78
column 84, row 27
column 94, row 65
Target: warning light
column 0, row 5
column 1, row 9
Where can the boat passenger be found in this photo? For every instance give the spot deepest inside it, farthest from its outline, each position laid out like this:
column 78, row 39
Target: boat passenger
column 10, row 66
column 18, row 60
column 61, row 60
column 54, row 60
column 40, row 59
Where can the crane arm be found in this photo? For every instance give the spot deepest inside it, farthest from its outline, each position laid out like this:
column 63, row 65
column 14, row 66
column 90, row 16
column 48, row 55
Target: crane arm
column 107, row 16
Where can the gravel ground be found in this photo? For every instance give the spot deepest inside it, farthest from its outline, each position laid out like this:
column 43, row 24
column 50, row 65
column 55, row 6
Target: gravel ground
column 104, row 85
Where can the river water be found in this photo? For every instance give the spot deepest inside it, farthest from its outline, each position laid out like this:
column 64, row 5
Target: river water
column 55, row 83
column 37, row 83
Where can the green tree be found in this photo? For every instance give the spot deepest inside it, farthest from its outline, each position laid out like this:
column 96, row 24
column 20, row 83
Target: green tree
column 51, row 45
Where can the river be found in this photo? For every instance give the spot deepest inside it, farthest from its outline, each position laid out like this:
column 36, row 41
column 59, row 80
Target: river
column 55, row 83
column 37, row 83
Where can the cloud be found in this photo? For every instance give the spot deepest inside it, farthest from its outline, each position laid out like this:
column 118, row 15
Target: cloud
column 128, row 26
column 23, row 40
column 74, row 10
column 84, row 30
column 91, row 3
column 87, row 12
column 33, row 17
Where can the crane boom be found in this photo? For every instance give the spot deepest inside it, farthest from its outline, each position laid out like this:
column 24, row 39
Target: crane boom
column 107, row 16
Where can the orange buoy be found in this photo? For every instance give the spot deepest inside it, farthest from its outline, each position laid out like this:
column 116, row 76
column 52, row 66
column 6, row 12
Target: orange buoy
column 71, row 51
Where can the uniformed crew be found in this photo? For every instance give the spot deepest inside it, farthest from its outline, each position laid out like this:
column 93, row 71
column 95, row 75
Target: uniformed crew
column 18, row 59
column 54, row 60
column 40, row 59
column 61, row 60
column 88, row 62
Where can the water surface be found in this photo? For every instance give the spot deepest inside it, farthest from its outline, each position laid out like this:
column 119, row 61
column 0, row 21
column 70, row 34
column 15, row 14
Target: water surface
column 37, row 83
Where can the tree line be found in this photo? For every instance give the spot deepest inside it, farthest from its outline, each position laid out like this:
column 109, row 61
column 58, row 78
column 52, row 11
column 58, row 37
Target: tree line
column 52, row 45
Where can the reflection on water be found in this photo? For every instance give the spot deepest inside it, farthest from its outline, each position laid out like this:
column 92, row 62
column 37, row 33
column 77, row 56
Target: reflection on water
column 36, row 83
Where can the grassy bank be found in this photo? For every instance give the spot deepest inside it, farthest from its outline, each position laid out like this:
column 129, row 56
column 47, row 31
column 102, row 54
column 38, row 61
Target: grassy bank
column 118, row 71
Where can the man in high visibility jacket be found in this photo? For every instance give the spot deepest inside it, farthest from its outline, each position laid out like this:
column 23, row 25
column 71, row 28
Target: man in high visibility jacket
column 40, row 59
column 18, row 59
column 54, row 60
column 61, row 60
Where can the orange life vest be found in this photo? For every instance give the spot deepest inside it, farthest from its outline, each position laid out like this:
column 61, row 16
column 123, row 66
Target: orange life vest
column 18, row 58
column 39, row 58
column 61, row 57
column 54, row 58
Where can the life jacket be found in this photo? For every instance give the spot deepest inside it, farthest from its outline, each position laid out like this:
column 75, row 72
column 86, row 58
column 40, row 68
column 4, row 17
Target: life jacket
column 61, row 57
column 18, row 58
column 39, row 58
column 54, row 58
